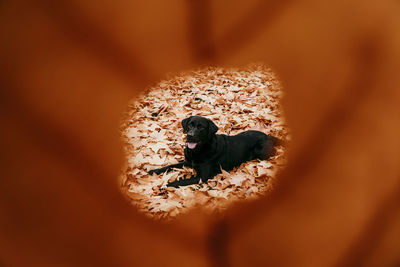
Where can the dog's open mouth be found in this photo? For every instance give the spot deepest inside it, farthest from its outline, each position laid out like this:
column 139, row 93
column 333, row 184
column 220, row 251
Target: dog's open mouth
column 191, row 145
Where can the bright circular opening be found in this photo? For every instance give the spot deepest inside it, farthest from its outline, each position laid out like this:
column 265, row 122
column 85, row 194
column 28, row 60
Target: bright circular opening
column 235, row 100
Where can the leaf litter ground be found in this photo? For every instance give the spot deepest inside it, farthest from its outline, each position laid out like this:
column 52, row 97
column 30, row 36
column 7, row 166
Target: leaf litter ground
column 236, row 100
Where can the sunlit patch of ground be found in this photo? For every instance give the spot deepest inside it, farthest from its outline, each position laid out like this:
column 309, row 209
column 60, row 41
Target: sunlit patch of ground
column 235, row 100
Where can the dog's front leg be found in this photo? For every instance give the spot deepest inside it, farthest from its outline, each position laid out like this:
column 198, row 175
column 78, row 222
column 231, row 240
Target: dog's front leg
column 169, row 168
column 208, row 171
column 190, row 181
column 204, row 173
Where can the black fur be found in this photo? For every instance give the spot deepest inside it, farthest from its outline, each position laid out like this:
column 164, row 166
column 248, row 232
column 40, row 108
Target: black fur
column 214, row 151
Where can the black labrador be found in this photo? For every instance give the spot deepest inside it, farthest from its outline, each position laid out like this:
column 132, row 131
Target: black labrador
column 208, row 152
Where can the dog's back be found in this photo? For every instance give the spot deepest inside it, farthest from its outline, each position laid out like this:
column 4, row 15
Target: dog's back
column 246, row 146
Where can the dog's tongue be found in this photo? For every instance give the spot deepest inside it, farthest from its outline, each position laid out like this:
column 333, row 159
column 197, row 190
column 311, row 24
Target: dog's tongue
column 191, row 145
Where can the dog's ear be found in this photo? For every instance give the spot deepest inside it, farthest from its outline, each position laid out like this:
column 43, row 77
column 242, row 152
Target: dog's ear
column 185, row 123
column 212, row 128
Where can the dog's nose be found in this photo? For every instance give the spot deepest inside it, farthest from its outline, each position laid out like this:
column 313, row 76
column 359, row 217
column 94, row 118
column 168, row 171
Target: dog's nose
column 190, row 134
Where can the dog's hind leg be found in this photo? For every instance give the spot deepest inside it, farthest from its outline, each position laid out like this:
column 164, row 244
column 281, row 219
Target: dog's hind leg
column 266, row 149
column 169, row 168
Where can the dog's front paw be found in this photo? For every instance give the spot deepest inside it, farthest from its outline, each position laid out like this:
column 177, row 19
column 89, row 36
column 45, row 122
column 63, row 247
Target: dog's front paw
column 174, row 184
column 156, row 171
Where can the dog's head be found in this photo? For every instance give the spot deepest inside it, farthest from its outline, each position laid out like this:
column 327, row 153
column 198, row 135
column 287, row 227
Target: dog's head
column 199, row 131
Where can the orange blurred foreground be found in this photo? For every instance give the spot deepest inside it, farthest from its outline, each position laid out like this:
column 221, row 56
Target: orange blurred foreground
column 68, row 69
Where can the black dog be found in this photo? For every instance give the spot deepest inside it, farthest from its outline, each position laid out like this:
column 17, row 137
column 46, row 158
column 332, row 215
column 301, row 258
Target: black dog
column 207, row 152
